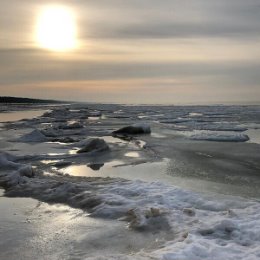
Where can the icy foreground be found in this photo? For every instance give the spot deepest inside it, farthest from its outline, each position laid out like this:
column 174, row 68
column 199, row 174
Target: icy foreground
column 203, row 227
column 66, row 155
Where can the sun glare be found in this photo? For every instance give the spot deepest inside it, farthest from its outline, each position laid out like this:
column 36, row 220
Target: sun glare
column 56, row 29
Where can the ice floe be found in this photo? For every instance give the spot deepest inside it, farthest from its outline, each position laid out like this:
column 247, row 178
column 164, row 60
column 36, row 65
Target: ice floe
column 219, row 137
column 94, row 145
column 72, row 125
column 34, row 136
column 134, row 129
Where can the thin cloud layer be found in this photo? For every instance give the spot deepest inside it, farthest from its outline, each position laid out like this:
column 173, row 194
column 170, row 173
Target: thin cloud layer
column 208, row 46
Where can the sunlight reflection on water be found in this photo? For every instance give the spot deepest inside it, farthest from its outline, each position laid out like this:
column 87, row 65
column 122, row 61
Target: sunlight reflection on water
column 19, row 115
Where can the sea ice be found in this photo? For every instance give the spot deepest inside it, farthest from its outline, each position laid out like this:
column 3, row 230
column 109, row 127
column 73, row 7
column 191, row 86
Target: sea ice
column 73, row 125
column 32, row 137
column 134, row 130
column 220, row 137
column 204, row 226
column 94, row 145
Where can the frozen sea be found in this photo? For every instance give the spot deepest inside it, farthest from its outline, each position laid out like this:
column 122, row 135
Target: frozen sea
column 184, row 186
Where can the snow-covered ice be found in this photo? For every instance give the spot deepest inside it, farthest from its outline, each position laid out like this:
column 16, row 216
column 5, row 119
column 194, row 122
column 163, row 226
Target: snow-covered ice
column 219, row 137
column 34, row 136
column 35, row 163
column 135, row 129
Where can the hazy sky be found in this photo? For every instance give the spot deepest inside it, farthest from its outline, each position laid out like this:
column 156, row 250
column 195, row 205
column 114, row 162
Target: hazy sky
column 137, row 51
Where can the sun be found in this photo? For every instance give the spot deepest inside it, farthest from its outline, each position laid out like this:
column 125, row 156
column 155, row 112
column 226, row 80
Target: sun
column 56, row 29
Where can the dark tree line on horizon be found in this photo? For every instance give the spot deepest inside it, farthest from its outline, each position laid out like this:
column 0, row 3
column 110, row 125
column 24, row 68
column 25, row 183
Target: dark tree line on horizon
column 26, row 100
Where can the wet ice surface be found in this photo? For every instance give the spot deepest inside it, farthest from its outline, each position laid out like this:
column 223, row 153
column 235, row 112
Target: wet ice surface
column 254, row 135
column 190, row 150
column 34, row 230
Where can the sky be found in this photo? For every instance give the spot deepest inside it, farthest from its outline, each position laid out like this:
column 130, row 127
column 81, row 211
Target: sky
column 138, row 51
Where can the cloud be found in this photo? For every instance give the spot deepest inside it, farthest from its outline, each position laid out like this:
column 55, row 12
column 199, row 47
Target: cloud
column 27, row 66
column 212, row 45
column 172, row 19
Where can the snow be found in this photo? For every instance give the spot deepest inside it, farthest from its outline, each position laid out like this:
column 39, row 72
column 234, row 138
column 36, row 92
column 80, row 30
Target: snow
column 7, row 161
column 52, row 132
column 94, row 145
column 14, row 172
column 251, row 125
column 205, row 227
column 220, row 137
column 220, row 127
column 33, row 137
column 72, row 125
column 95, row 114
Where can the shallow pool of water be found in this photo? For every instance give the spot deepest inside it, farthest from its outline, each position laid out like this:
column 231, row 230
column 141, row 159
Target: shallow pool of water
column 19, row 115
column 132, row 154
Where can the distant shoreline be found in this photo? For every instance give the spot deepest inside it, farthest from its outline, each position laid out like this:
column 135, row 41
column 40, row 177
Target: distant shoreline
column 21, row 100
